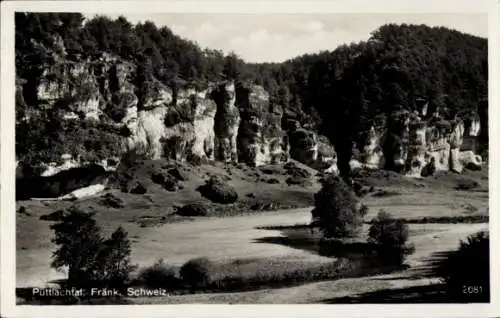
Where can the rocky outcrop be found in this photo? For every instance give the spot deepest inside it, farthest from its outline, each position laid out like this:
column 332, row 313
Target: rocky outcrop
column 417, row 145
column 227, row 122
column 304, row 146
column 230, row 122
column 260, row 138
column 62, row 183
column 395, row 140
column 371, row 154
column 221, row 122
column 309, row 148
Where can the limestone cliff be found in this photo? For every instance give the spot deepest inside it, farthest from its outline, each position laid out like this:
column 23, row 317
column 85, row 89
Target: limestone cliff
column 312, row 149
column 225, row 121
column 418, row 145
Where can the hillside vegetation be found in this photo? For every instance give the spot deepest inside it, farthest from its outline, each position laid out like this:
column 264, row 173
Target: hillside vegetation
column 339, row 93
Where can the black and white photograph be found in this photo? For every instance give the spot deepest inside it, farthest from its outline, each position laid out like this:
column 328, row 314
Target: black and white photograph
column 215, row 158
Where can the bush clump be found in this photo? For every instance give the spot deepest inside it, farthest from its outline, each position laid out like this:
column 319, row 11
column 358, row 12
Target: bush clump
column 196, row 160
column 473, row 167
column 218, row 191
column 196, row 273
column 465, row 272
column 298, row 180
column 391, row 236
column 178, row 174
column 270, row 180
column 466, row 184
column 167, row 181
column 337, row 212
column 112, row 201
column 159, row 275
column 294, row 170
column 54, row 216
column 138, row 187
column 270, row 170
column 194, row 209
column 265, row 206
column 361, row 189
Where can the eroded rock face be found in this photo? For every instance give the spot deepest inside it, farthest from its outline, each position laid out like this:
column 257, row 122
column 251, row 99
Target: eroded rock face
column 304, row 146
column 260, row 138
column 417, row 146
column 227, row 122
column 470, row 160
column 416, row 158
column 395, row 140
column 472, row 125
column 175, row 130
column 313, row 150
column 223, row 123
column 372, row 156
column 232, row 122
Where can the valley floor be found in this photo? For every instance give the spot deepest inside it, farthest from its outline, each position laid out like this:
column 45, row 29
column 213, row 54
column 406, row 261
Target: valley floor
column 243, row 237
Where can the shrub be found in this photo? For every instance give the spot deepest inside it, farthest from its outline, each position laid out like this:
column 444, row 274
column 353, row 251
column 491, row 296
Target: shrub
column 337, row 212
column 196, row 272
column 196, row 160
column 138, row 188
column 218, row 191
column 473, row 167
column 271, row 180
column 466, row 184
column 385, row 193
column 361, row 190
column 298, row 180
column 183, row 114
column 159, row 275
column 54, row 216
column 116, row 112
column 179, row 174
column 91, row 260
column 112, row 201
column 164, row 179
column 271, row 170
column 293, row 169
column 22, row 210
column 265, row 206
column 194, row 209
column 391, row 236
column 465, row 272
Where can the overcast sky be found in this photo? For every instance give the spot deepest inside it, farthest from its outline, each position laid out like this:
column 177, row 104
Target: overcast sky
column 277, row 37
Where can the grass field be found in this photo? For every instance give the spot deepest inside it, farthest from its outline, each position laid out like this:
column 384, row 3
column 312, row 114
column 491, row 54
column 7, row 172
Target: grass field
column 244, row 237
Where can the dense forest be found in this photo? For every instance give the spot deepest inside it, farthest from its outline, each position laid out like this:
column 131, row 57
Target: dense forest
column 338, row 93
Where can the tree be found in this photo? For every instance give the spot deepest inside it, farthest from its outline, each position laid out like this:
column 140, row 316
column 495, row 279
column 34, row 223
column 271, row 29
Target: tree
column 79, row 240
column 92, row 261
column 466, row 271
column 144, row 80
column 391, row 236
column 337, row 212
column 115, row 257
column 233, row 67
